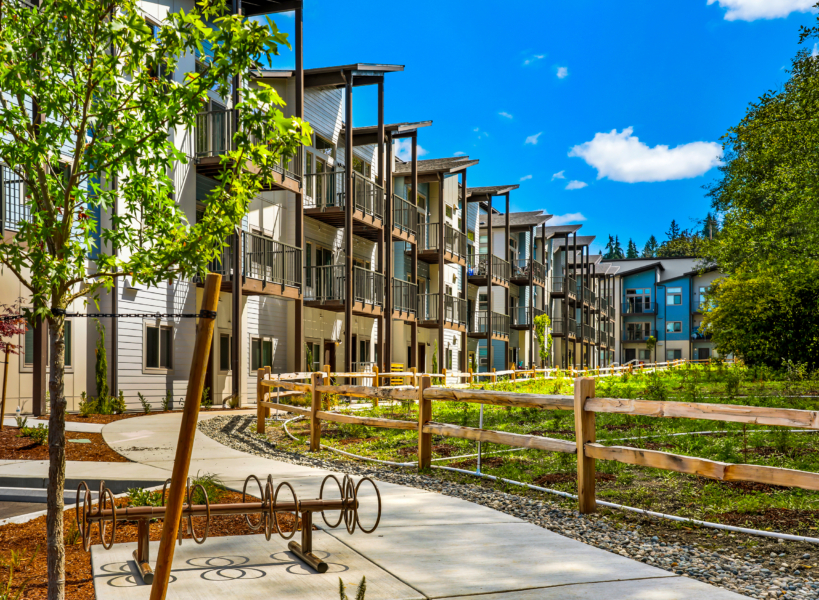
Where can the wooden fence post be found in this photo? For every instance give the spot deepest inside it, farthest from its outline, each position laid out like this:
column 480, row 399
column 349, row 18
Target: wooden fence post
column 494, row 377
column 260, row 396
column 470, row 377
column 414, row 379
column 187, row 432
column 375, row 384
column 584, row 425
column 424, row 416
column 315, row 407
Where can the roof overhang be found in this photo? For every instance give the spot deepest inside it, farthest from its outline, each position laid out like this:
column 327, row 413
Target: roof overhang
column 253, row 8
column 485, row 194
column 363, row 136
column 337, row 77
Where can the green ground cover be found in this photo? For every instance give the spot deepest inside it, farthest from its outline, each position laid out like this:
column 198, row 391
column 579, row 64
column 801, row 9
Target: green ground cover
column 736, row 503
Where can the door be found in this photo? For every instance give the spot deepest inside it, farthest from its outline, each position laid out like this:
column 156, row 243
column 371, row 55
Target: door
column 631, row 354
column 704, row 353
column 354, row 349
column 422, row 358
column 330, row 355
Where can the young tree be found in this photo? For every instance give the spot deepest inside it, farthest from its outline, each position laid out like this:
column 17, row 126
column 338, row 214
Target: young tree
column 543, row 336
column 85, row 101
column 650, row 249
column 632, row 251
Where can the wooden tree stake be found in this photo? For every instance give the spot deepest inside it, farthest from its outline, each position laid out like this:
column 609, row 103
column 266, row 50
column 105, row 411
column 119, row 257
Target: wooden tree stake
column 5, row 385
column 260, row 397
column 584, row 425
column 187, row 432
column 424, row 415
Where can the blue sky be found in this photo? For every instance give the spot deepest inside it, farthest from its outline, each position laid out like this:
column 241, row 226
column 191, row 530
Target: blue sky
column 575, row 94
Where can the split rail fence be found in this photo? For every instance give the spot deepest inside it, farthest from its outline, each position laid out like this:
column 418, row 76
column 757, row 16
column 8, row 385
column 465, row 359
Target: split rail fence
column 584, row 404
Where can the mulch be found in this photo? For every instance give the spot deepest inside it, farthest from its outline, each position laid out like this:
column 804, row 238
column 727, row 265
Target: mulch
column 553, row 478
column 105, row 419
column 13, row 446
column 805, row 522
column 26, row 537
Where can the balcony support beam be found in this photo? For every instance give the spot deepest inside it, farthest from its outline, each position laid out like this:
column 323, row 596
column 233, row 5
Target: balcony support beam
column 532, row 299
column 508, row 254
column 490, row 271
column 462, row 359
column 441, row 270
column 414, row 253
column 383, row 343
column 349, row 206
column 298, row 325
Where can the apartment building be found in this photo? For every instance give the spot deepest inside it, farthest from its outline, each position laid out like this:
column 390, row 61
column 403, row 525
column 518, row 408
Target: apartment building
column 663, row 298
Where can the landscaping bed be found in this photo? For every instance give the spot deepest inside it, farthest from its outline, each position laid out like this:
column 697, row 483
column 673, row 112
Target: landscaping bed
column 13, row 446
column 23, row 539
column 105, row 419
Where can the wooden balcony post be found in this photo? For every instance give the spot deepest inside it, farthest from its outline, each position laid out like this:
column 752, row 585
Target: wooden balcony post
column 316, row 379
column 424, row 416
column 349, row 207
column 584, row 424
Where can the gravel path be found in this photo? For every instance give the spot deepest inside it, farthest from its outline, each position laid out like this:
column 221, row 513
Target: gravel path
column 754, row 577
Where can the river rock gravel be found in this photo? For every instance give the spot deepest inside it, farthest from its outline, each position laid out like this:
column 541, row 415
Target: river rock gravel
column 778, row 575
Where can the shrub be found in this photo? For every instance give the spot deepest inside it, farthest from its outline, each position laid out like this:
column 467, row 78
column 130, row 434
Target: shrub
column 207, row 401
column 88, row 406
column 146, row 406
column 118, row 404
column 39, row 434
column 233, row 402
column 167, row 401
column 143, row 497
column 214, row 488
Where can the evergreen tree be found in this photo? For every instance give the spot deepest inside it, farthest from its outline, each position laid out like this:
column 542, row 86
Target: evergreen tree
column 618, row 249
column 632, row 251
column 710, row 227
column 674, row 232
column 650, row 249
column 609, row 255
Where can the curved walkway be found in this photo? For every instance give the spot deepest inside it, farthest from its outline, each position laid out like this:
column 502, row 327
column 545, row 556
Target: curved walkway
column 427, row 546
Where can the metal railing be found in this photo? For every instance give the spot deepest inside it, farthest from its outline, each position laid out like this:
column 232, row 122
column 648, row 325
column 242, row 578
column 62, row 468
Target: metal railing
column 290, row 166
column 478, row 266
column 455, row 309
column 324, row 284
column 404, row 215
column 635, row 306
column 368, row 286
column 500, row 323
column 368, row 195
column 563, row 284
column 526, row 268
column 567, row 327
column 324, row 190
column 454, row 240
column 213, row 133
column 15, row 209
column 520, row 315
column 404, row 296
column 638, row 335
column 269, row 260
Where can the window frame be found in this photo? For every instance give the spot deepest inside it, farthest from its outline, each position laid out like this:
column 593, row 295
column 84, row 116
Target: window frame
column 23, row 344
column 262, row 339
column 229, row 336
column 162, row 326
column 669, row 327
column 672, row 293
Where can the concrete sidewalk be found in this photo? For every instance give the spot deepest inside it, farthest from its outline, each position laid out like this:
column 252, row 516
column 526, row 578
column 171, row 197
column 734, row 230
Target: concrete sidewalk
column 427, row 546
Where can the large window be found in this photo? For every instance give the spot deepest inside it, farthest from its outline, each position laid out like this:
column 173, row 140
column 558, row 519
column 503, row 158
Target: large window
column 673, row 354
column 362, row 167
column 325, row 146
column 449, row 359
column 673, row 296
column 483, row 302
column 315, row 351
column 224, row 352
column 673, row 327
column 638, row 300
column 28, row 346
column 261, row 353
column 158, row 347
column 703, row 292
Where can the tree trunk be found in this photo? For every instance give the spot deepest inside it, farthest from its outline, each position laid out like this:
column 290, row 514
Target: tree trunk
column 56, row 460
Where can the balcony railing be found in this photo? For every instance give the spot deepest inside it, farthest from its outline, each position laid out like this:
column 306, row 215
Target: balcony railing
column 698, row 335
column 213, row 133
column 500, row 323
column 264, row 259
column 455, row 309
column 368, row 287
column 369, row 196
column 290, row 166
column 520, row 315
column 561, row 327
column 324, row 284
column 525, row 268
column 405, row 296
column 404, row 215
column 478, row 266
column 638, row 306
column 324, row 190
column 16, row 210
column 454, row 240
column 563, row 284
column 638, row 335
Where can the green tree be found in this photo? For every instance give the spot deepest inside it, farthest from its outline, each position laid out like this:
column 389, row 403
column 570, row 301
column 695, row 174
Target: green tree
column 544, row 338
column 101, row 366
column 632, row 251
column 710, row 227
column 618, row 249
column 650, row 249
column 610, row 249
column 766, row 200
column 674, row 232
column 88, row 119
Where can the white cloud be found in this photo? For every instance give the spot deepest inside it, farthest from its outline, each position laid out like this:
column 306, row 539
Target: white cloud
column 623, row 157
column 750, row 10
column 567, row 218
column 477, row 129
column 459, row 153
column 403, row 149
column 532, row 139
column 533, row 59
column 815, row 52
column 576, row 185
column 525, row 177
column 503, row 113
column 559, row 175
column 562, row 72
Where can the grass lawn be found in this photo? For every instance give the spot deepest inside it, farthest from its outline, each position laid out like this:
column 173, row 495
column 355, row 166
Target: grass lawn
column 736, row 503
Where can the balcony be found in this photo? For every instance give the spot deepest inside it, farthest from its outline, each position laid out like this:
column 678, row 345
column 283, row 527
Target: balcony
column 268, row 267
column 638, row 335
column 638, row 306
column 700, row 336
column 428, row 244
column 584, row 294
column 455, row 312
column 325, row 200
column 561, row 328
column 526, row 271
column 519, row 317
column 500, row 325
column 213, row 138
column 564, row 287
column 404, row 300
column 404, row 220
column 585, row 332
column 478, row 270
column 325, row 289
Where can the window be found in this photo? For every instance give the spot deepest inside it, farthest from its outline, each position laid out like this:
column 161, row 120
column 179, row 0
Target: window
column 261, row 353
column 675, row 354
column 448, row 212
column 158, row 347
column 308, row 168
column 449, row 359
column 308, row 262
column 702, row 302
column 315, row 351
column 325, row 146
column 673, row 327
column 28, row 346
column 68, row 357
column 362, row 167
column 422, row 201
column 224, row 352
column 638, row 301
column 643, row 354
column 364, row 351
column 482, row 302
column 673, row 296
